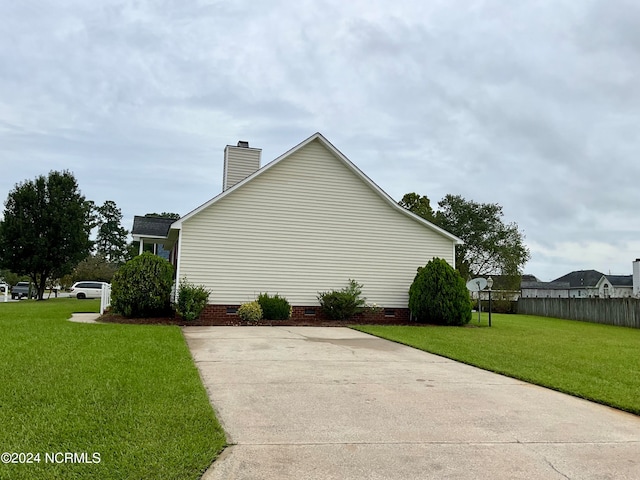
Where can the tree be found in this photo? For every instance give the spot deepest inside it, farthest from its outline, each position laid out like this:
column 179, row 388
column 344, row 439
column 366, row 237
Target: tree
column 421, row 206
column 111, row 241
column 439, row 295
column 45, row 232
column 175, row 216
column 491, row 247
column 95, row 268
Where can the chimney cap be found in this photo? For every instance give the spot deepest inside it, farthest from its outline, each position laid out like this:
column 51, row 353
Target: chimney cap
column 243, row 143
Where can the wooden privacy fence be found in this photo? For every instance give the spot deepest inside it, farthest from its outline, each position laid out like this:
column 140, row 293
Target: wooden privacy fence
column 623, row 312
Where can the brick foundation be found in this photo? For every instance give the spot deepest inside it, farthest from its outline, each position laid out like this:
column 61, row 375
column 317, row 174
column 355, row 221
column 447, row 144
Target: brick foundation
column 224, row 314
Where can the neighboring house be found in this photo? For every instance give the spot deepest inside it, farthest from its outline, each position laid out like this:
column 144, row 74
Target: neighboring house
column 152, row 231
column 615, row 286
column 305, row 223
column 584, row 284
column 537, row 289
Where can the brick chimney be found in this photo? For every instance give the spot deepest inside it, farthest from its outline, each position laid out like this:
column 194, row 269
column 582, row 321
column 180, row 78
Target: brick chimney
column 239, row 162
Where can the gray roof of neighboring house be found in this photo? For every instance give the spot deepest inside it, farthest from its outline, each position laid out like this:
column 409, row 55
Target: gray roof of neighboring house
column 546, row 285
column 620, row 280
column 581, row 278
column 151, row 226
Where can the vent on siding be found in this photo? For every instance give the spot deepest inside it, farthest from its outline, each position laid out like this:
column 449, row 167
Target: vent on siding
column 239, row 162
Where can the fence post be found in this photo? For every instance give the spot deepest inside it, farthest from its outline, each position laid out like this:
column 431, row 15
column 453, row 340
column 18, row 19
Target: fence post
column 105, row 297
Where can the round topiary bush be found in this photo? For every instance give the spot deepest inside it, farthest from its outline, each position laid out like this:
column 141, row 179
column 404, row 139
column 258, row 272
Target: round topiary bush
column 438, row 295
column 142, row 287
column 274, row 307
column 250, row 312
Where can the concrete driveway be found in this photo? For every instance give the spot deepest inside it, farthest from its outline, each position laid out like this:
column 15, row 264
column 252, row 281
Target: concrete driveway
column 333, row 403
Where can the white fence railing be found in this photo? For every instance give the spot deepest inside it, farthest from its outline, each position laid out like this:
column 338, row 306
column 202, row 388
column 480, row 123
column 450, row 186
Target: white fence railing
column 105, row 298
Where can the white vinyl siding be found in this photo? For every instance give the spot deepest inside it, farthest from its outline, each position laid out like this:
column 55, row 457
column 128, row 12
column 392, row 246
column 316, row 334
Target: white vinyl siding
column 308, row 224
column 239, row 163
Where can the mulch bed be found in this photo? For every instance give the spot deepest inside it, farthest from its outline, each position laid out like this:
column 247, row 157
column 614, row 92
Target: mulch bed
column 237, row 322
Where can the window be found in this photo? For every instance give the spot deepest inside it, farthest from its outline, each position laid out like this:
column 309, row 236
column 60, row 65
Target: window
column 309, row 312
column 232, row 310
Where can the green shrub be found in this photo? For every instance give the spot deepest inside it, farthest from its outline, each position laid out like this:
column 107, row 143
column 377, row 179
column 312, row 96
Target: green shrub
column 342, row 304
column 439, row 295
column 191, row 300
column 142, row 287
column 250, row 312
column 274, row 308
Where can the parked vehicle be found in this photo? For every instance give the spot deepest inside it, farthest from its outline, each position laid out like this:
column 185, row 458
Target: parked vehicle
column 4, row 288
column 22, row 290
column 82, row 290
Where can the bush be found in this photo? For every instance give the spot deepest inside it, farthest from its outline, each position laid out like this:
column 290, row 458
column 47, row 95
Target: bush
column 250, row 312
column 274, row 308
column 439, row 295
column 142, row 287
column 342, row 304
column 191, row 300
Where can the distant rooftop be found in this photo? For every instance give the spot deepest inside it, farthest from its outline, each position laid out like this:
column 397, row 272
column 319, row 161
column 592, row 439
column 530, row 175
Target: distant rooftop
column 546, row 285
column 620, row 280
column 581, row 278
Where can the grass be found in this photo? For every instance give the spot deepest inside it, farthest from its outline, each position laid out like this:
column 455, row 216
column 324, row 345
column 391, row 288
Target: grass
column 593, row 361
column 130, row 393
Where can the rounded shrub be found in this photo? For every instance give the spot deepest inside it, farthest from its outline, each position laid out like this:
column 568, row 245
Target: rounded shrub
column 250, row 312
column 142, row 287
column 438, row 295
column 274, row 307
column 191, row 300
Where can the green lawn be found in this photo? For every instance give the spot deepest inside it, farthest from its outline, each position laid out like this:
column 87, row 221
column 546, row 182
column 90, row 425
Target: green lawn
column 592, row 361
column 129, row 393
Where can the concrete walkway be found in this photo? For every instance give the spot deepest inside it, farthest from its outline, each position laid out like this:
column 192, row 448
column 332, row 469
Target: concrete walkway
column 84, row 317
column 333, row 403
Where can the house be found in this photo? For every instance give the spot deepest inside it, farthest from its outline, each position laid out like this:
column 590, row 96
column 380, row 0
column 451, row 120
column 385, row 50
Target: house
column 151, row 230
column 586, row 284
column 305, row 223
column 615, row 286
column 537, row 289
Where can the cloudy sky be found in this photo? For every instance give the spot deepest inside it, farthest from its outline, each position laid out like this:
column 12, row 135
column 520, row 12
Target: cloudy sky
column 531, row 104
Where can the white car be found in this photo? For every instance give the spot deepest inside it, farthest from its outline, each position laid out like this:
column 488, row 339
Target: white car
column 82, row 290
